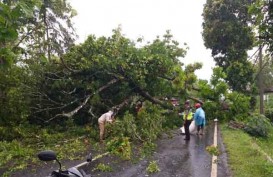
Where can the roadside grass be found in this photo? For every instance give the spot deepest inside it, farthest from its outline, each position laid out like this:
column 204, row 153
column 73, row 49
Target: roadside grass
column 21, row 154
column 152, row 167
column 243, row 158
column 266, row 144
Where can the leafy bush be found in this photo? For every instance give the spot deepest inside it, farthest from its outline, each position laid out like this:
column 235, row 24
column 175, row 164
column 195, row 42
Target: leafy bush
column 9, row 134
column 258, row 125
column 239, row 104
column 172, row 119
column 146, row 126
column 13, row 100
column 149, row 122
column 120, row 146
column 241, row 117
column 269, row 113
column 212, row 110
column 125, row 127
column 23, row 131
column 238, row 108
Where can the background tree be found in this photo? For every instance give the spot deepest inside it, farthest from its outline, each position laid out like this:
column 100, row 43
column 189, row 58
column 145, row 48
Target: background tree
column 45, row 29
column 261, row 19
column 10, row 24
column 227, row 33
column 29, row 30
column 14, row 108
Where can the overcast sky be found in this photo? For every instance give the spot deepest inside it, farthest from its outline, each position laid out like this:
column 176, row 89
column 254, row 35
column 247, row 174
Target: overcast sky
column 148, row 19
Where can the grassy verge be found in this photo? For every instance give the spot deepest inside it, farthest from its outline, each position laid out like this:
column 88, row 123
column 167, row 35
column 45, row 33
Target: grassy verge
column 266, row 144
column 243, row 158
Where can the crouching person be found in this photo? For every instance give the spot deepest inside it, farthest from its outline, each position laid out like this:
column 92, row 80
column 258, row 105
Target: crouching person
column 107, row 117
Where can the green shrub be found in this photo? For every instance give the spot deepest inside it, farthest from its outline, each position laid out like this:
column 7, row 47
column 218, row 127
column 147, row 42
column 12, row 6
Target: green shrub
column 9, row 134
column 146, row 126
column 120, row 146
column 21, row 131
column 150, row 122
column 212, row 110
column 172, row 119
column 236, row 107
column 14, row 102
column 153, row 167
column 258, row 125
column 125, row 127
column 269, row 113
column 241, row 117
column 239, row 104
column 147, row 149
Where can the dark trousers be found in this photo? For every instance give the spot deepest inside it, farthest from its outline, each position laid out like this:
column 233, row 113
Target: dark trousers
column 187, row 129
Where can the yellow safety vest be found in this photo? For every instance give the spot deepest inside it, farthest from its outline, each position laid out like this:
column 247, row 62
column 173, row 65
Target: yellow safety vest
column 189, row 116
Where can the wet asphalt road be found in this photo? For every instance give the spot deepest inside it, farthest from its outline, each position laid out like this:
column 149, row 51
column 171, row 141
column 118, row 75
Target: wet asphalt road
column 179, row 158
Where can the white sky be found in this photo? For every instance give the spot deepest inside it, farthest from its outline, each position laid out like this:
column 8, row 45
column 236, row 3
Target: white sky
column 148, row 19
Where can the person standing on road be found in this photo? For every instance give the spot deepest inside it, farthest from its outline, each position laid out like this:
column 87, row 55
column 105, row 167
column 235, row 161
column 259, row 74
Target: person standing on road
column 107, row 117
column 200, row 118
column 187, row 116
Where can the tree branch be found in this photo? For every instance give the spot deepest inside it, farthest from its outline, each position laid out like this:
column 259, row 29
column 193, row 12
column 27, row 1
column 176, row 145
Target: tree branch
column 167, row 78
column 73, row 112
column 146, row 95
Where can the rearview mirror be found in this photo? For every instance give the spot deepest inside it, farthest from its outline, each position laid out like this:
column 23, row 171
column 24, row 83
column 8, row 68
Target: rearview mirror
column 47, row 155
column 89, row 158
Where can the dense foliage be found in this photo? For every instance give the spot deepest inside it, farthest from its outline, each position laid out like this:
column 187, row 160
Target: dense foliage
column 258, row 125
column 261, row 17
column 227, row 33
column 269, row 114
column 83, row 83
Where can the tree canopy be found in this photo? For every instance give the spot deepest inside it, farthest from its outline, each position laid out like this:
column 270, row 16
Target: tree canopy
column 227, row 33
column 108, row 72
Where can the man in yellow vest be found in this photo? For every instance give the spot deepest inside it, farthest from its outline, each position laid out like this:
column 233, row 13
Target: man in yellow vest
column 187, row 116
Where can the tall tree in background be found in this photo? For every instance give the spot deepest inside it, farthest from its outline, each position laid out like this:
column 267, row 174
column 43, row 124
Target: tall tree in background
column 30, row 30
column 14, row 109
column 10, row 24
column 227, row 33
column 46, row 29
column 262, row 18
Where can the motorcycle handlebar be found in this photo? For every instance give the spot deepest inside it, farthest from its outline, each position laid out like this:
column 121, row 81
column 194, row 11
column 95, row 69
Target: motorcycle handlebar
column 71, row 172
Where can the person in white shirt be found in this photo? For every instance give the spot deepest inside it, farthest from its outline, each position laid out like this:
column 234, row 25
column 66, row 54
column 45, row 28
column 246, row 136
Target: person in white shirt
column 104, row 118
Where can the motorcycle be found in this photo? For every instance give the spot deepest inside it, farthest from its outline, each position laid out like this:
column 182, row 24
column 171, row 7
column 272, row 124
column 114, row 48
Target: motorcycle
column 75, row 171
